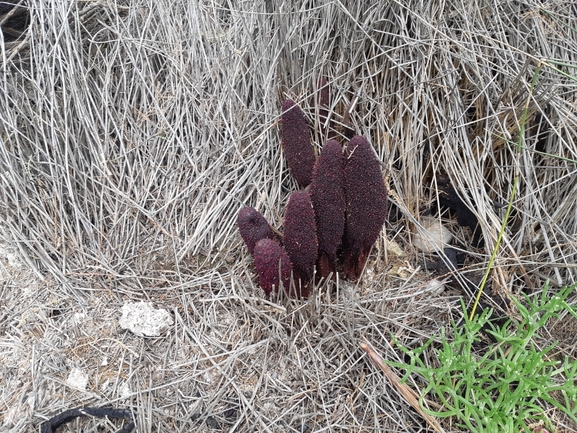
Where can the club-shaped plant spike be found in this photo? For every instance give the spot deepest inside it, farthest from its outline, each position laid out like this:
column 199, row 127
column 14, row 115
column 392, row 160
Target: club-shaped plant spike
column 328, row 198
column 366, row 204
column 300, row 240
column 272, row 265
column 253, row 227
column 296, row 143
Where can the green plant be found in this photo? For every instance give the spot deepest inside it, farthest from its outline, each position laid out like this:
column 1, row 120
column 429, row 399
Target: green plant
column 506, row 386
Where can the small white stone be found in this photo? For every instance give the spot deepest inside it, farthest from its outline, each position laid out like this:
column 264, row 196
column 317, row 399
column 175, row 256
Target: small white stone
column 77, row 379
column 435, row 287
column 124, row 390
column 78, row 318
column 143, row 320
column 432, row 237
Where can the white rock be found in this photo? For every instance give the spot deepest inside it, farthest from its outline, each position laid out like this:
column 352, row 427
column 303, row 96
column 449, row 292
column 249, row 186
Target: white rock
column 143, row 320
column 125, row 391
column 77, row 379
column 433, row 236
column 78, row 318
column 435, row 287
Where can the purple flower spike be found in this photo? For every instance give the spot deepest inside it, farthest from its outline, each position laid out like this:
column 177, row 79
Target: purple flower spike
column 253, row 227
column 296, row 143
column 300, row 239
column 328, row 198
column 366, row 204
column 271, row 262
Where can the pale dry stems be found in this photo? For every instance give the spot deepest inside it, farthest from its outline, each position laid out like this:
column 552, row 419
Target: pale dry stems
column 132, row 132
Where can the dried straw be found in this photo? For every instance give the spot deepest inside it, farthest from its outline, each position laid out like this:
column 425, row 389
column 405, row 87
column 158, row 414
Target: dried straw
column 132, row 132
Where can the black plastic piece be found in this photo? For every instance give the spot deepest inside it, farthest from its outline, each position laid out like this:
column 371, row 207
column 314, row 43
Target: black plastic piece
column 65, row 417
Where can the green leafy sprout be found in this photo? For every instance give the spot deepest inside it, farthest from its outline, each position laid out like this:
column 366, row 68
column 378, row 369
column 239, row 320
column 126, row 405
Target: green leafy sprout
column 508, row 387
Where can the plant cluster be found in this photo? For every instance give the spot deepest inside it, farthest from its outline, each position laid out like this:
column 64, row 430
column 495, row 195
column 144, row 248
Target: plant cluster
column 503, row 388
column 332, row 222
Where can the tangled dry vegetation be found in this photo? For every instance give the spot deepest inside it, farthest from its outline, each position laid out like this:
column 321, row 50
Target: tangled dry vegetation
column 132, row 132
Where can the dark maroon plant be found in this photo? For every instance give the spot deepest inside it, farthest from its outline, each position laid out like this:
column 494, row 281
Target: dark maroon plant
column 366, row 204
column 296, row 143
column 335, row 224
column 253, row 227
column 328, row 198
column 272, row 265
column 300, row 239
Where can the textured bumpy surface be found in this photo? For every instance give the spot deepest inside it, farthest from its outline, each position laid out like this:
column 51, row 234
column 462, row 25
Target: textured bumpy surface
column 253, row 227
column 328, row 198
column 267, row 256
column 366, row 204
column 300, row 237
column 296, row 143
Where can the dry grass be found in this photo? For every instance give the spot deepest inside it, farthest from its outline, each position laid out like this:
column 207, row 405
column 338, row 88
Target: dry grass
column 131, row 133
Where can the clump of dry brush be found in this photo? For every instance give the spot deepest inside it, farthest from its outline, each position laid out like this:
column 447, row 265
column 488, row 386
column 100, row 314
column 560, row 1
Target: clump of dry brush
column 337, row 217
column 135, row 164
column 131, row 132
